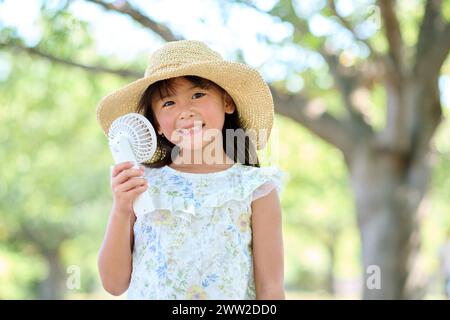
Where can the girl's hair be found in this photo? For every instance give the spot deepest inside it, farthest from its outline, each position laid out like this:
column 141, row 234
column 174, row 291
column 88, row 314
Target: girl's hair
column 247, row 156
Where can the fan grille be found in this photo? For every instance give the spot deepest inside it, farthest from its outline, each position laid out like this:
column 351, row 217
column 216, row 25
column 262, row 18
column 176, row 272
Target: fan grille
column 140, row 132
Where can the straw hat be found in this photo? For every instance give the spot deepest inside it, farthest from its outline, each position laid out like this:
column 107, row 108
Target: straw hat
column 245, row 85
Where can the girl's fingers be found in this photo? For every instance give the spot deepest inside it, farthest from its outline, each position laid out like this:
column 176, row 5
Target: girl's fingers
column 126, row 175
column 139, row 190
column 130, row 184
column 120, row 167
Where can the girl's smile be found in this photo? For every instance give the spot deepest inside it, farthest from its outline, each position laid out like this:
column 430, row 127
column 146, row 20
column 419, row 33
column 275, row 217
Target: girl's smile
column 193, row 129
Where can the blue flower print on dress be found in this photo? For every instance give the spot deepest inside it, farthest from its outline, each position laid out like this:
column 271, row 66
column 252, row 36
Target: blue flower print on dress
column 196, row 241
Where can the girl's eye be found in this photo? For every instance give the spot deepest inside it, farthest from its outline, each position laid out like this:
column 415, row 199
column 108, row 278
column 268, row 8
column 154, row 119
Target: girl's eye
column 196, row 94
column 166, row 103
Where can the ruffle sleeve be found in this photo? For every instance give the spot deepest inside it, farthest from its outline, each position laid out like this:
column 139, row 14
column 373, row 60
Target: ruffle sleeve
column 267, row 179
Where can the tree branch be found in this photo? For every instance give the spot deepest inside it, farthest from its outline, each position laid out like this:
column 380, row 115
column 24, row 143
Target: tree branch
column 433, row 43
column 313, row 116
column 432, row 49
column 94, row 69
column 393, row 35
column 413, row 107
column 428, row 117
column 347, row 25
column 125, row 8
column 348, row 80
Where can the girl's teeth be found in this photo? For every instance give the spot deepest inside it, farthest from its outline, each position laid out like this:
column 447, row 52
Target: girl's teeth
column 195, row 128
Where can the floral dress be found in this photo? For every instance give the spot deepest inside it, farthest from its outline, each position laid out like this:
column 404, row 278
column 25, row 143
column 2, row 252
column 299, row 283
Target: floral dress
column 196, row 241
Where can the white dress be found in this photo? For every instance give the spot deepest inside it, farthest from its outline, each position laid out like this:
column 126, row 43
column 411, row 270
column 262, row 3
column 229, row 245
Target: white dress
column 196, row 241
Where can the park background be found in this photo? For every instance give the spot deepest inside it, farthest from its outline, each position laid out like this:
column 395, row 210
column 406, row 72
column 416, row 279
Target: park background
column 362, row 98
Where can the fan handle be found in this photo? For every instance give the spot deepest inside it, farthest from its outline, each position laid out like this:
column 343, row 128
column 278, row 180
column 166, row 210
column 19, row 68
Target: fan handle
column 122, row 152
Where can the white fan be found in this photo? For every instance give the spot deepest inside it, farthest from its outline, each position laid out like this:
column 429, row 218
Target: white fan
column 132, row 138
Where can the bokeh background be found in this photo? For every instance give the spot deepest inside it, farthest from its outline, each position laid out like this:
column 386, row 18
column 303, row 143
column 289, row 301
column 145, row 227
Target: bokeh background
column 362, row 94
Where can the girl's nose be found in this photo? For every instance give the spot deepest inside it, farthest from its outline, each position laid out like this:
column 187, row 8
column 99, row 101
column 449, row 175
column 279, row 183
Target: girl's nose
column 186, row 115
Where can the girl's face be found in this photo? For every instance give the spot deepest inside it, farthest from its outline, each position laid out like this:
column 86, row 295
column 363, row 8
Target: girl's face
column 192, row 117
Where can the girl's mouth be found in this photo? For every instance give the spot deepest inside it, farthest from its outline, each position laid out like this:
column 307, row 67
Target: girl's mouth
column 191, row 131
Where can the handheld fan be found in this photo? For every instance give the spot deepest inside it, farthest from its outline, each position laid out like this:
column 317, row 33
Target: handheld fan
column 132, row 138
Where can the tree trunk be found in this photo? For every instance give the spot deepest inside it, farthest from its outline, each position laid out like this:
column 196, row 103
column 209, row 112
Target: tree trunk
column 387, row 204
column 330, row 273
column 52, row 287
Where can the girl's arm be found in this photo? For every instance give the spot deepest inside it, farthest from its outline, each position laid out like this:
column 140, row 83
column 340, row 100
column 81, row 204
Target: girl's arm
column 268, row 247
column 115, row 257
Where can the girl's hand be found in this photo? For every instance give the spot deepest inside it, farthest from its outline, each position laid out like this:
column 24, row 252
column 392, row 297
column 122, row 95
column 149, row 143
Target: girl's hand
column 126, row 184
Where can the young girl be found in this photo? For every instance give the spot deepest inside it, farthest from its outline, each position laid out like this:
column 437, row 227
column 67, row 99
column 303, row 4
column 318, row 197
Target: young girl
column 214, row 229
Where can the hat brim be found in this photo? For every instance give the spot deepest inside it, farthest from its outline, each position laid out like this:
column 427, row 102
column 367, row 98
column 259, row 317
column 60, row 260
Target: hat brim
column 245, row 85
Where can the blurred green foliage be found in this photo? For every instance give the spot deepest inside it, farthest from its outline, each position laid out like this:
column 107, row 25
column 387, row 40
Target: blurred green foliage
column 55, row 196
